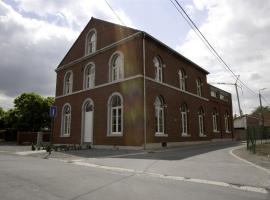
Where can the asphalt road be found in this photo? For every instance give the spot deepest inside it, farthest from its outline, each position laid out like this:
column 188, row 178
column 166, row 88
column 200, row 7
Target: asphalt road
column 24, row 177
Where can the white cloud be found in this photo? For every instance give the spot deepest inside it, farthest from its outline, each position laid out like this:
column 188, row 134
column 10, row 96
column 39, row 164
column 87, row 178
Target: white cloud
column 35, row 36
column 239, row 30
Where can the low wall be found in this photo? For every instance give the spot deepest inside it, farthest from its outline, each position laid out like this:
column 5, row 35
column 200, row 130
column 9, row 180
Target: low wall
column 32, row 137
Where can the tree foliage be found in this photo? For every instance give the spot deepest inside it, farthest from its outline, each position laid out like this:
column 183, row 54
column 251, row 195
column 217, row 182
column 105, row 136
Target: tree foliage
column 30, row 113
column 258, row 110
column 2, row 118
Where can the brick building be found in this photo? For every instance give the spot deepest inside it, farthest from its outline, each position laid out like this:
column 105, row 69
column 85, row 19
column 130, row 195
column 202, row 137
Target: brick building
column 120, row 86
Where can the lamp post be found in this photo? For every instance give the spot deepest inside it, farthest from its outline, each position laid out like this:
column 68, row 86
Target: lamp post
column 261, row 109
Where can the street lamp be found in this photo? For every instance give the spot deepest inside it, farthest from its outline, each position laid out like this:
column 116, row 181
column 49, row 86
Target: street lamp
column 260, row 98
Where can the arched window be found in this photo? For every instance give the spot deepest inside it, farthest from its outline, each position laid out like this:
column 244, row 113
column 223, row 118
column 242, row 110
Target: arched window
column 182, row 79
column 115, row 114
column 159, row 115
column 117, row 67
column 158, row 69
column 66, row 120
column 215, row 120
column 226, row 122
column 199, row 86
column 68, row 79
column 91, row 42
column 184, row 119
column 201, row 122
column 89, row 76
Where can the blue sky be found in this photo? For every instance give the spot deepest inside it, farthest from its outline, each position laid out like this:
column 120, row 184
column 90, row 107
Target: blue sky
column 45, row 29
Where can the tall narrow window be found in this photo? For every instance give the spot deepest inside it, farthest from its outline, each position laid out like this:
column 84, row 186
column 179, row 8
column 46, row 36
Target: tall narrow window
column 201, row 122
column 182, row 79
column 91, row 42
column 66, row 120
column 115, row 115
column 159, row 115
column 68, row 79
column 226, row 121
column 184, row 119
column 158, row 69
column 117, row 67
column 89, row 76
column 215, row 120
column 199, row 87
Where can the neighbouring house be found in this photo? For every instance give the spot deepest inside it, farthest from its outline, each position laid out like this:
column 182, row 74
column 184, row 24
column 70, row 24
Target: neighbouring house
column 118, row 86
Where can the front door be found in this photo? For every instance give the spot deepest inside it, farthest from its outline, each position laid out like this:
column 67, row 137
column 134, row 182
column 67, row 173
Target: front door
column 88, row 123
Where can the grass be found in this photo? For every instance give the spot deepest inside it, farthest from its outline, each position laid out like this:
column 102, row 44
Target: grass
column 263, row 149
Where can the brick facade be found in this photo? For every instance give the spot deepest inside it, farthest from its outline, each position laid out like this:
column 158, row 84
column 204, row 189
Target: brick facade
column 138, row 50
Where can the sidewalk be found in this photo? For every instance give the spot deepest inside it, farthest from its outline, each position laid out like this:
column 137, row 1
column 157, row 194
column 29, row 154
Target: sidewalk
column 260, row 158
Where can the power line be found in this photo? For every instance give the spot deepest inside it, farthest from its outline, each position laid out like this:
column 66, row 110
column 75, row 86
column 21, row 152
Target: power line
column 207, row 43
column 115, row 13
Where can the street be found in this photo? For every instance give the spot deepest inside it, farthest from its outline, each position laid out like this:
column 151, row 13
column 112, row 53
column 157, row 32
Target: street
column 142, row 175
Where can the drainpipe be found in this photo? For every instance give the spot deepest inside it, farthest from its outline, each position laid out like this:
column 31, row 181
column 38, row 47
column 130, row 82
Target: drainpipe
column 144, row 94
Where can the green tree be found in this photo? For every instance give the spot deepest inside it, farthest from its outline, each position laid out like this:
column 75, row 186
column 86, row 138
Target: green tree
column 2, row 118
column 258, row 110
column 32, row 111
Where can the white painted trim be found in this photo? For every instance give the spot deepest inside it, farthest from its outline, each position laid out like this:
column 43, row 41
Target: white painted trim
column 102, row 85
column 82, row 119
column 84, row 75
column 64, row 82
column 175, row 88
column 118, row 134
column 62, row 122
column 86, row 42
column 98, row 51
column 161, row 135
column 121, row 67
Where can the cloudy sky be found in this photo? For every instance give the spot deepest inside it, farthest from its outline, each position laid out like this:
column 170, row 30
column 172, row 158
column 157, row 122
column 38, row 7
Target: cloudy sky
column 36, row 34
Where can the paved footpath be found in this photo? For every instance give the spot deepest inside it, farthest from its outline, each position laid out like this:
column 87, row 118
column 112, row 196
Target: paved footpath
column 206, row 166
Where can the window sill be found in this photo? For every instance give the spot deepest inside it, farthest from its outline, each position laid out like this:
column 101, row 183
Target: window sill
column 161, row 135
column 200, row 135
column 63, row 136
column 216, row 131
column 228, row 132
column 185, row 135
column 115, row 135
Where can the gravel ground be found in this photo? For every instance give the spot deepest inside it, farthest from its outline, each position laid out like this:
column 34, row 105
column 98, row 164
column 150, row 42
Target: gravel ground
column 261, row 160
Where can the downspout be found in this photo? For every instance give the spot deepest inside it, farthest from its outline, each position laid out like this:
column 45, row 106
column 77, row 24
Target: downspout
column 144, row 94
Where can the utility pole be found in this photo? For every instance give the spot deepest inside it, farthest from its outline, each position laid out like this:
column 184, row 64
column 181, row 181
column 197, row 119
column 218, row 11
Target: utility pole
column 261, row 108
column 237, row 95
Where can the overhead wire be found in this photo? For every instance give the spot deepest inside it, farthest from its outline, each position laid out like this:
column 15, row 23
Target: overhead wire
column 118, row 17
column 207, row 43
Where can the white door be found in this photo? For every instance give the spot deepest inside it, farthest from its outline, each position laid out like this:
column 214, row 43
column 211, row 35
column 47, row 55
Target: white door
column 88, row 123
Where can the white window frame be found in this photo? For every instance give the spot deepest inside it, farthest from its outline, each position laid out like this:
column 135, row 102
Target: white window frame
column 182, row 80
column 184, row 120
column 91, row 42
column 66, row 121
column 67, row 88
column 116, row 72
column 215, row 125
column 110, row 116
column 158, row 69
column 89, row 79
column 201, row 123
column 226, row 122
column 199, row 87
column 159, row 117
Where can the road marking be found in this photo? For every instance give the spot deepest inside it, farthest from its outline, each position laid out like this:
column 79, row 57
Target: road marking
column 177, row 178
column 25, row 153
column 244, row 160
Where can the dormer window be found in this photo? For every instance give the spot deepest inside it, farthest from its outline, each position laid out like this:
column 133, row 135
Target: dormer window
column 158, row 69
column 91, row 42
